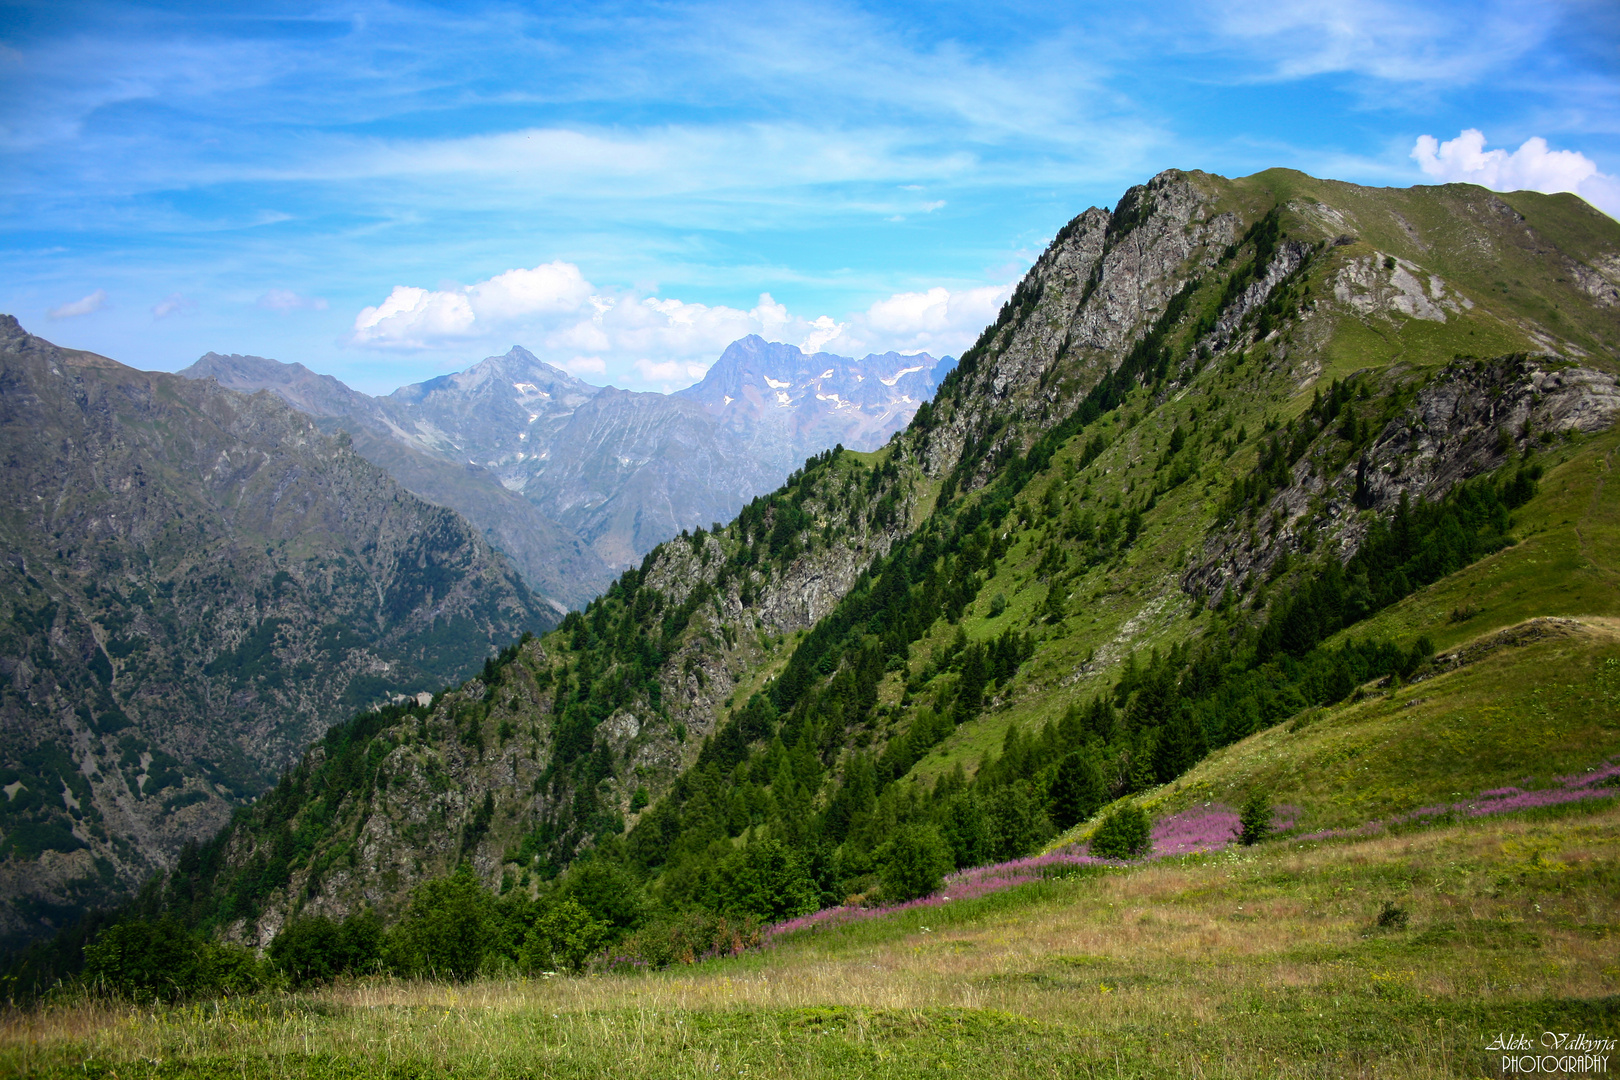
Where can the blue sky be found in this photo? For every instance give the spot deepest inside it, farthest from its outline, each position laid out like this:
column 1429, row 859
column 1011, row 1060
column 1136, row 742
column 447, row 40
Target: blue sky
column 387, row 191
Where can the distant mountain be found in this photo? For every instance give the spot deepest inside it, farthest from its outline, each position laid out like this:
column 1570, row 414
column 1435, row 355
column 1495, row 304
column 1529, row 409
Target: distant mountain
column 197, row 582
column 606, row 474
column 553, row 561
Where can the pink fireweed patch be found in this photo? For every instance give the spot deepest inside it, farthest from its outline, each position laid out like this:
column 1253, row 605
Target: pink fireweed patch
column 1204, row 830
column 1598, row 783
column 962, row 885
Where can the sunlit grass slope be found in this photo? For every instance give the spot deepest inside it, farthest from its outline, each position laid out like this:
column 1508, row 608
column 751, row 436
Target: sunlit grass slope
column 1535, row 693
column 1266, row 962
column 1542, row 703
column 1566, row 563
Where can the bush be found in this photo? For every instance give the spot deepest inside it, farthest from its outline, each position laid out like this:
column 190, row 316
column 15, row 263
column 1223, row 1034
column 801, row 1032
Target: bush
column 1124, row 834
column 916, row 864
column 607, row 891
column 565, row 937
column 163, row 961
column 688, row 938
column 766, row 880
column 446, row 930
column 1255, row 817
column 317, row 949
column 965, row 830
column 1393, row 916
column 1016, row 820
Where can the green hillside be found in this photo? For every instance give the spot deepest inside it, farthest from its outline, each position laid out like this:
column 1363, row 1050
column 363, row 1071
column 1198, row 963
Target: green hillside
column 1274, row 486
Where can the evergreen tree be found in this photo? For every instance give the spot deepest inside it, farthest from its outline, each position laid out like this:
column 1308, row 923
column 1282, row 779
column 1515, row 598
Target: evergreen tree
column 1077, row 789
column 1255, row 817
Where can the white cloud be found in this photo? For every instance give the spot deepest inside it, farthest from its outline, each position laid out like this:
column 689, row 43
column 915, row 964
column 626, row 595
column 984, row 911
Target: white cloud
column 551, row 288
column 582, row 366
column 172, row 304
column 287, row 300
column 652, row 340
column 1532, row 167
column 413, row 318
column 824, row 330
column 938, row 321
column 82, row 306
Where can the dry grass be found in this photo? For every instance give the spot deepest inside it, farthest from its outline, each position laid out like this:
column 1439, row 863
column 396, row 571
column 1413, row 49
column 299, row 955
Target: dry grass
column 1265, row 963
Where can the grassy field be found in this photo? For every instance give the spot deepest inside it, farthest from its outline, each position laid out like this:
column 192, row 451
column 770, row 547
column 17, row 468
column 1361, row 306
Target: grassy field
column 1258, row 962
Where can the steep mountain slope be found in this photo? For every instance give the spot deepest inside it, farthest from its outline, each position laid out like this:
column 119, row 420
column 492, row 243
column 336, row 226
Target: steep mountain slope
column 197, row 583
column 1211, row 430
column 608, row 473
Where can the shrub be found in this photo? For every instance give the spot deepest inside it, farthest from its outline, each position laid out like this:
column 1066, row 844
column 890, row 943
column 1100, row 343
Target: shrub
column 1077, row 789
column 163, row 961
column 963, row 824
column 1393, row 916
column 445, row 931
column 317, row 949
column 565, row 937
column 607, row 891
column 687, row 938
column 1124, row 834
column 916, row 864
column 1255, row 817
column 1016, row 821
column 766, row 880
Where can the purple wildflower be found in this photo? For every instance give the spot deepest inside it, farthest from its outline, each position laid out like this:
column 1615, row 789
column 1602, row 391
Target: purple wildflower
column 1203, row 830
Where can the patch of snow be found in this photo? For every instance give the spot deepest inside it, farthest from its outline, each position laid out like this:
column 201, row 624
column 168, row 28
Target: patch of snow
column 774, row 385
column 897, row 376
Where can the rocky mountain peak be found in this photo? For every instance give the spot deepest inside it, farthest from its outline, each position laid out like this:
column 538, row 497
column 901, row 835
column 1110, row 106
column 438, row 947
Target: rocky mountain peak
column 758, row 376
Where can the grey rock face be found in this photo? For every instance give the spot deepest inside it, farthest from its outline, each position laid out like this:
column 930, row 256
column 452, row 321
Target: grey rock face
column 551, row 558
column 1453, row 431
column 197, row 583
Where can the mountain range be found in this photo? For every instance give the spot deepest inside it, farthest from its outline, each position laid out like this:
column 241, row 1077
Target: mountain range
column 1235, row 452
column 576, row 482
column 1236, row 457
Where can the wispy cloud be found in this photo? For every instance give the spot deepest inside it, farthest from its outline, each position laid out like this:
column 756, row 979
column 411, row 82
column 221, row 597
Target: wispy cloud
column 1534, row 166
column 173, row 304
column 1385, row 39
column 287, row 300
column 85, row 305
